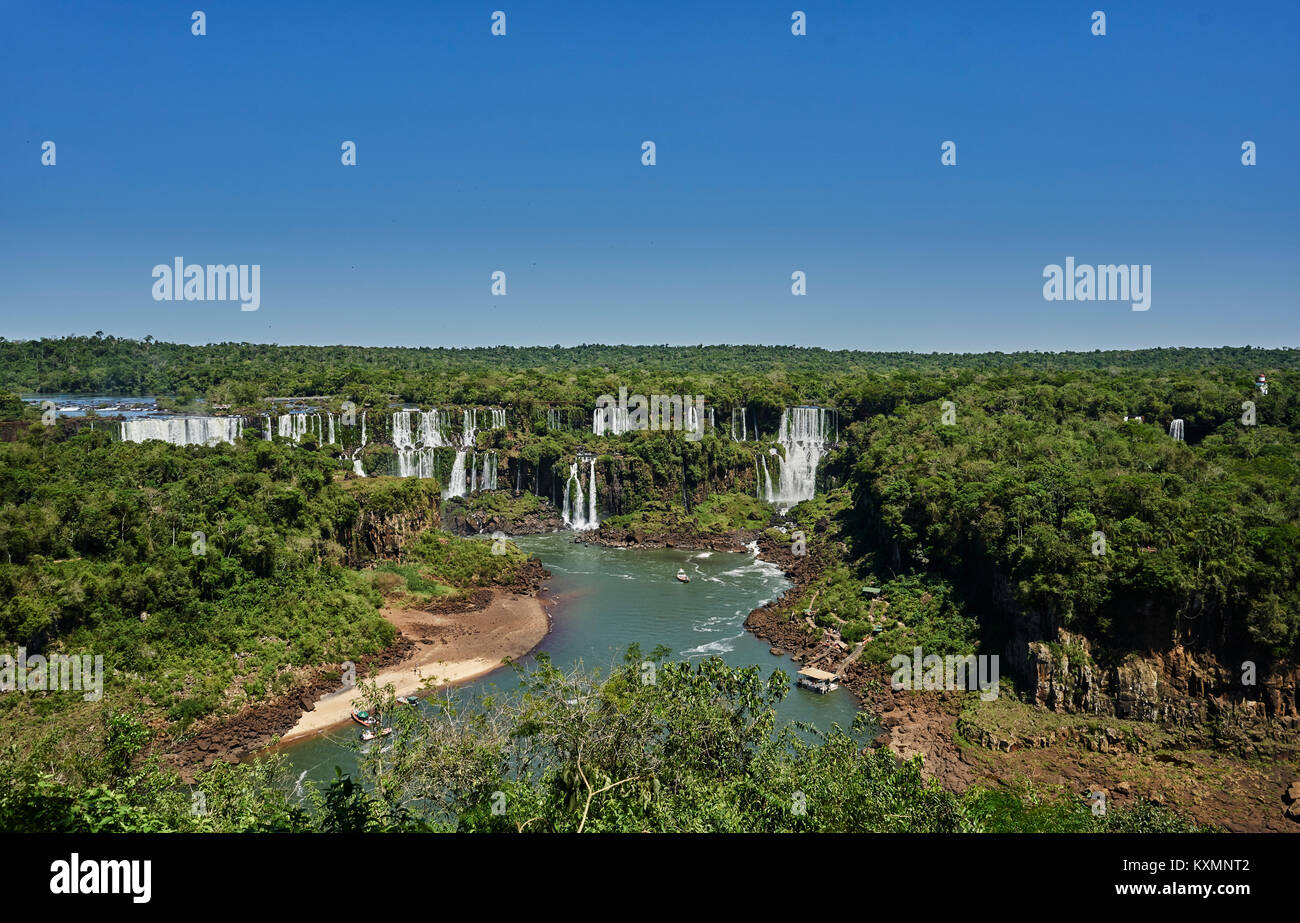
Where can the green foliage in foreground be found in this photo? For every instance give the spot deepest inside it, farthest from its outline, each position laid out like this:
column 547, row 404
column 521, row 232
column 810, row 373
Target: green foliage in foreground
column 697, row 749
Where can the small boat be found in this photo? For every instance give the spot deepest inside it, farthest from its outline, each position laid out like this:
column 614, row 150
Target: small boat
column 371, row 735
column 817, row 680
column 362, row 718
column 681, row 575
column 406, row 700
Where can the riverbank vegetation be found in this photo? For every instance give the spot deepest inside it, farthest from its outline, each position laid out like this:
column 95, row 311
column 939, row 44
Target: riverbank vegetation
column 205, row 578
column 696, row 750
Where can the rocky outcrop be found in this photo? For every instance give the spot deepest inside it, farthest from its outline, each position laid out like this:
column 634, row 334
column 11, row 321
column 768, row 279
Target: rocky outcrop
column 462, row 519
column 390, row 517
column 1177, row 687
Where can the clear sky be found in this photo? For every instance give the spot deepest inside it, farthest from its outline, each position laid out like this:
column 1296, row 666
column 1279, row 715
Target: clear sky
column 775, row 153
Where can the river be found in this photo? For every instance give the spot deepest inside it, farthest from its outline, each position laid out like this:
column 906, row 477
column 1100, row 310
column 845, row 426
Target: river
column 601, row 600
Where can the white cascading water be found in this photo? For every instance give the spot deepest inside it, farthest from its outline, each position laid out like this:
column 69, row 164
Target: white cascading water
column 744, row 430
column 573, row 512
column 331, row 416
column 456, row 486
column 183, row 430
column 489, row 479
column 1176, row 430
column 415, row 458
column 579, row 507
column 356, row 455
column 296, row 425
column 803, row 436
column 266, row 430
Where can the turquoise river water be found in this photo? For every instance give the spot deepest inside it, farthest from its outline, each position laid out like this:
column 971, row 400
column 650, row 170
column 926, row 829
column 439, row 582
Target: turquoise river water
column 601, row 600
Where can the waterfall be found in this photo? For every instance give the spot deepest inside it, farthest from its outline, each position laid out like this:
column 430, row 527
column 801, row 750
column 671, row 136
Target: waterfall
column 457, row 486
column 767, row 480
column 803, row 436
column 356, row 455
column 415, row 455
column 1176, row 430
column 498, row 418
column 489, row 479
column 266, row 430
column 744, row 429
column 470, row 424
column 296, row 425
column 331, row 416
column 575, row 514
column 182, row 430
column 579, row 506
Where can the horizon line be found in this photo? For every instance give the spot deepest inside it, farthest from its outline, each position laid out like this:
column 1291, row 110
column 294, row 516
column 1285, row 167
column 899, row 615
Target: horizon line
column 683, row 346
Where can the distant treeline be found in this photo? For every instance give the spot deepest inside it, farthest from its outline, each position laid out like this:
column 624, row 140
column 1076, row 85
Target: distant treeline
column 244, row 374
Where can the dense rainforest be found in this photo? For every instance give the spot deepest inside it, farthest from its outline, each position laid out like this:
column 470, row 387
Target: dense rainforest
column 245, row 374
column 972, row 490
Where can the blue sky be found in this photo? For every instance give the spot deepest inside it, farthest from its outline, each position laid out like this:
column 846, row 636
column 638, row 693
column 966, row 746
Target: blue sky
column 775, row 153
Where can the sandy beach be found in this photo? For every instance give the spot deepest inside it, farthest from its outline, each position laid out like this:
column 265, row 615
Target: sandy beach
column 449, row 648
